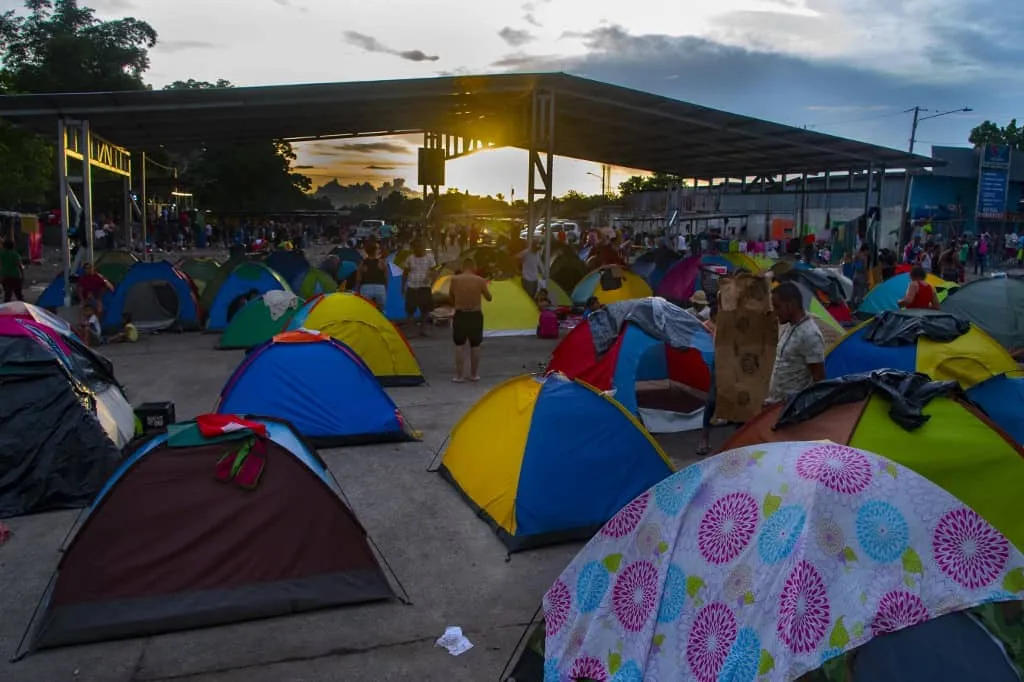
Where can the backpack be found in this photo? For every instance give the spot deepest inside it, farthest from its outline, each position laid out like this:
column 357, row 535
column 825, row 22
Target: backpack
column 548, row 326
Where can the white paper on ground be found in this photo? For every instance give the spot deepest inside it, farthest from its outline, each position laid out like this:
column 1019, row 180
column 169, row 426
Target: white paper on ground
column 454, row 641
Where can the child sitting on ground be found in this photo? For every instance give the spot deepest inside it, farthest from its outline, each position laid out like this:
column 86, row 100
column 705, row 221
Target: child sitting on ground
column 543, row 300
column 128, row 331
column 89, row 327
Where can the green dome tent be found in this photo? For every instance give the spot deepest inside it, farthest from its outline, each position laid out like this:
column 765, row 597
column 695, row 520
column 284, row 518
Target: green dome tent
column 255, row 324
column 201, row 270
column 316, row 282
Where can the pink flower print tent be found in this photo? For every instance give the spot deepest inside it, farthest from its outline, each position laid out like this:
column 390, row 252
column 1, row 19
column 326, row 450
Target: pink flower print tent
column 764, row 563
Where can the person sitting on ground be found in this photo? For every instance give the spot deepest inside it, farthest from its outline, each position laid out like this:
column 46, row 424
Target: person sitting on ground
column 592, row 306
column 920, row 295
column 128, row 333
column 92, row 286
column 88, row 327
column 468, row 291
column 543, row 299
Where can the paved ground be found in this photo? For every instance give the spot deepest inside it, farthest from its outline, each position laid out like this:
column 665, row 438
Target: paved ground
column 452, row 565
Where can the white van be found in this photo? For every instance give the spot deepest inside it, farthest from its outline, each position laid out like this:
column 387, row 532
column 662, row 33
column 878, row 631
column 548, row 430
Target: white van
column 369, row 228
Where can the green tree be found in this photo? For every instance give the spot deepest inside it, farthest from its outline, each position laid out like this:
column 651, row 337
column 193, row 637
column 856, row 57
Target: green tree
column 58, row 46
column 650, row 183
column 250, row 176
column 988, row 133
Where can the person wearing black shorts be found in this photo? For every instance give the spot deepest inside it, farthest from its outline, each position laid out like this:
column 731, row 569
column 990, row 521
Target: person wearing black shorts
column 468, row 292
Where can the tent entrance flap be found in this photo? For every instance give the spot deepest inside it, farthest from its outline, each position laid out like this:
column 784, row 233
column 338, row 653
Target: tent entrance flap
column 153, row 305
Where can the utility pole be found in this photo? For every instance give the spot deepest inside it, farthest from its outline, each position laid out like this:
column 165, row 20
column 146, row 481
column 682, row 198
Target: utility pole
column 908, row 179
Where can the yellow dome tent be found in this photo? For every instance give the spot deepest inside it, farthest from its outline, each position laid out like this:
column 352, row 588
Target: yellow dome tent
column 511, row 313
column 358, row 324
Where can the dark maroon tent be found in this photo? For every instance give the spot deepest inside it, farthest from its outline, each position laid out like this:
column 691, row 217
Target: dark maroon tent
column 169, row 546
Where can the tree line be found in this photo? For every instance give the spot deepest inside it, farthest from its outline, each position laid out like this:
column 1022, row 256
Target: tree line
column 61, row 46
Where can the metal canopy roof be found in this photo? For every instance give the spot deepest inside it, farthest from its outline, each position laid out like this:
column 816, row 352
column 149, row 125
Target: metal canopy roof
column 593, row 121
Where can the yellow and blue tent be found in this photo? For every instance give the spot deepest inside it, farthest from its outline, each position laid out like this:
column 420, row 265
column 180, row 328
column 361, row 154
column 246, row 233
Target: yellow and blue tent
column 358, row 324
column 547, row 459
column 626, row 285
column 983, row 368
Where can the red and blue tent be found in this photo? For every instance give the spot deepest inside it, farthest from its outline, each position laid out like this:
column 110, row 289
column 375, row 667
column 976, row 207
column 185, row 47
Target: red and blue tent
column 625, row 344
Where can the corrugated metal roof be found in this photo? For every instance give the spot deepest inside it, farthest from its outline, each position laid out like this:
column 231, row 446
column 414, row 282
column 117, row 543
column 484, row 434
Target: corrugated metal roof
column 593, row 121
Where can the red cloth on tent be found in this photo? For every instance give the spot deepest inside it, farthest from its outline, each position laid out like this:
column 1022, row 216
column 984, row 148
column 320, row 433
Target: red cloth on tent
column 213, row 425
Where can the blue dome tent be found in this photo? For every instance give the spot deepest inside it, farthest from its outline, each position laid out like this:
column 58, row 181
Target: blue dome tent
column 248, row 279
column 157, row 295
column 320, row 386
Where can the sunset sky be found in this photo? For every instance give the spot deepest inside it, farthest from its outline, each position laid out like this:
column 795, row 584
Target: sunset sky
column 847, row 67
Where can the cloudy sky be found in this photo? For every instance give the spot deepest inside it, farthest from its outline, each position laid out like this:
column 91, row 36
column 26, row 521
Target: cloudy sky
column 847, row 67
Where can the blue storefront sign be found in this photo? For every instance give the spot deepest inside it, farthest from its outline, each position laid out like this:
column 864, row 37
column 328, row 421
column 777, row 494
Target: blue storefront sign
column 993, row 182
column 992, row 192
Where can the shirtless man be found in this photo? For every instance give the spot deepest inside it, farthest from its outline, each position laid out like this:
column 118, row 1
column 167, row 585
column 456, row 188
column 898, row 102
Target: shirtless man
column 467, row 291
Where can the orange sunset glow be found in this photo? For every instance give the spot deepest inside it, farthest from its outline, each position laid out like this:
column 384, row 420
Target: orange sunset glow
column 489, row 172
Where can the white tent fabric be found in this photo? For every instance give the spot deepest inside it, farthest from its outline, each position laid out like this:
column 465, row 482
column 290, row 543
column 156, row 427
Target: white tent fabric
column 115, row 415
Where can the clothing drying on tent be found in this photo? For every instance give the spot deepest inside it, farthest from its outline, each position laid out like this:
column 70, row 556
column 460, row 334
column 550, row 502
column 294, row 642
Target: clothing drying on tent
column 317, row 384
column 938, row 344
column 887, row 295
column 54, row 451
column 823, row 284
column 157, row 295
column 994, row 304
column 253, row 526
column 316, row 282
column 944, row 347
column 358, row 324
column 766, row 563
column 203, row 271
column 247, row 281
column 87, row 367
column 655, row 356
column 511, row 312
column 114, row 265
column 260, row 320
column 920, row 424
column 547, row 460
column 611, row 284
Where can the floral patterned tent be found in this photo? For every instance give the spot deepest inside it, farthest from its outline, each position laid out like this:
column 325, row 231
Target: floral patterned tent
column 764, row 563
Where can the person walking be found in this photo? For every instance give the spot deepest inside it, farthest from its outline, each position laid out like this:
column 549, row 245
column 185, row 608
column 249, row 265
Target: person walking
column 372, row 278
column 800, row 355
column 12, row 272
column 417, row 277
column 468, row 292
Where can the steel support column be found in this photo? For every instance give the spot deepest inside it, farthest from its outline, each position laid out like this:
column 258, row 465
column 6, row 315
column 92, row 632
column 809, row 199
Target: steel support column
column 542, row 168
column 144, row 208
column 63, row 206
column 86, row 146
